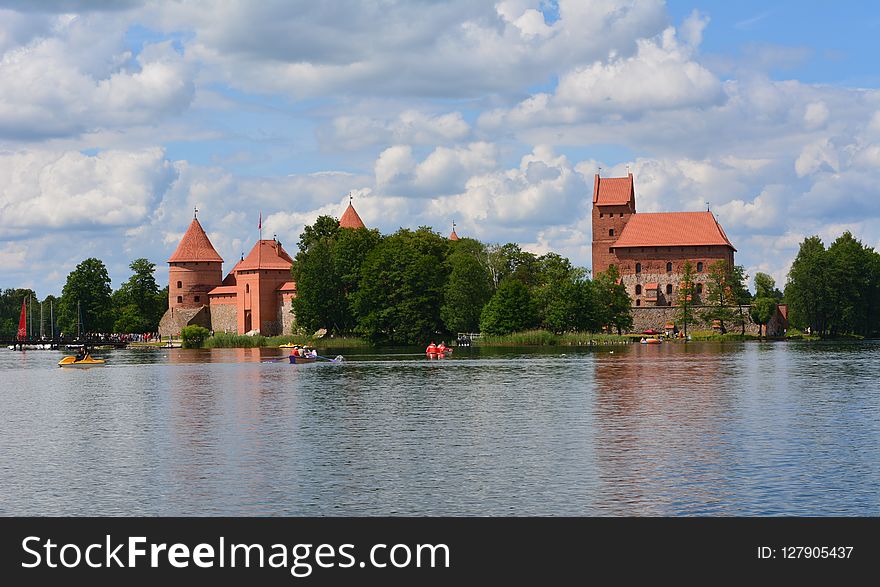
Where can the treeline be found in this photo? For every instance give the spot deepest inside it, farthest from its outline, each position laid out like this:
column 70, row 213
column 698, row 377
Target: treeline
column 136, row 307
column 836, row 290
column 415, row 285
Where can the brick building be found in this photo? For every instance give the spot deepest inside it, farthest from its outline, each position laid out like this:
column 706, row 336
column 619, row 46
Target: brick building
column 254, row 297
column 649, row 249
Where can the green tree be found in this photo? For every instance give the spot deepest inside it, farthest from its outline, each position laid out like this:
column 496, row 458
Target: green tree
column 468, row 288
column 401, row 286
column 10, row 309
column 685, row 313
column 807, row 291
column 138, row 304
column 87, row 286
column 849, row 285
column 761, row 311
column 721, row 304
column 193, row 336
column 614, row 306
column 509, row 310
column 765, row 287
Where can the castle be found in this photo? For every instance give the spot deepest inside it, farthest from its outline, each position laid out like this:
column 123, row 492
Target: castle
column 650, row 249
column 255, row 297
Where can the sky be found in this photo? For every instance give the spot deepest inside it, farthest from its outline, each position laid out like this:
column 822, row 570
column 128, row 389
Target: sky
column 119, row 118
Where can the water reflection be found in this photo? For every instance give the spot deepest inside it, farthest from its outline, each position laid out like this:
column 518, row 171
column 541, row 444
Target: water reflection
column 702, row 429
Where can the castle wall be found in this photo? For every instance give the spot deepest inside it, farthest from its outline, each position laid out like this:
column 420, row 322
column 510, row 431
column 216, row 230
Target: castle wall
column 285, row 314
column 653, row 262
column 175, row 319
column 605, row 219
column 224, row 317
column 195, row 280
column 645, row 318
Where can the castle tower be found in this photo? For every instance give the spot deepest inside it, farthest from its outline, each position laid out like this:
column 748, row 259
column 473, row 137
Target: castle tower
column 261, row 280
column 350, row 218
column 453, row 236
column 194, row 269
column 614, row 203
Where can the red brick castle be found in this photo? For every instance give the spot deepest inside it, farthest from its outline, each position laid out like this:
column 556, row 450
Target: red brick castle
column 649, row 249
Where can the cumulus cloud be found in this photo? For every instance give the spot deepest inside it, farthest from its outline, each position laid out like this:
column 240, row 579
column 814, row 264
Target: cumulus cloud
column 412, row 127
column 48, row 191
column 80, row 78
column 444, row 171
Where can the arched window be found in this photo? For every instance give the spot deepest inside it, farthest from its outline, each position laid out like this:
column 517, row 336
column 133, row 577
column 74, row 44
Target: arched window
column 699, row 266
column 610, row 232
column 601, row 215
column 638, row 267
column 179, row 285
column 669, row 288
column 699, row 288
column 197, row 298
column 247, row 288
column 638, row 302
column 668, row 267
column 179, row 299
column 638, row 290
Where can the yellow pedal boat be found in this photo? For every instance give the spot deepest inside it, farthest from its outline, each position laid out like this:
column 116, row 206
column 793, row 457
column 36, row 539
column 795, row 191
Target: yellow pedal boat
column 88, row 361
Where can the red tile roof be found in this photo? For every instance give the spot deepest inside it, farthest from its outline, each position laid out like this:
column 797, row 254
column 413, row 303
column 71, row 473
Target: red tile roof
column 195, row 246
column 223, row 290
column 453, row 236
column 350, row 219
column 613, row 191
column 672, row 229
column 266, row 254
column 287, row 286
column 651, row 286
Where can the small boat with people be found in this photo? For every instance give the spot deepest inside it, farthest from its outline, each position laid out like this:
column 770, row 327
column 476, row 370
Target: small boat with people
column 438, row 351
column 652, row 340
column 81, row 360
column 300, row 354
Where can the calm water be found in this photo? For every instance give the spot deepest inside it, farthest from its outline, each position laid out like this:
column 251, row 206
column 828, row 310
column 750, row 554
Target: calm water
column 707, row 429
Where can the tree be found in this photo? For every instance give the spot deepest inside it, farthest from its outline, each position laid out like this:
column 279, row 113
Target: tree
column 401, row 286
column 721, row 296
column 614, row 306
column 739, row 295
column 193, row 336
column 849, row 285
column 686, row 293
column 807, row 290
column 467, row 290
column 764, row 305
column 10, row 309
column 87, row 287
column 509, row 310
column 138, row 304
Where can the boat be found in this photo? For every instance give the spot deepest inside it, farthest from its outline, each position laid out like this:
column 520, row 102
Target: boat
column 438, row 355
column 651, row 341
column 87, row 361
column 289, row 345
column 298, row 360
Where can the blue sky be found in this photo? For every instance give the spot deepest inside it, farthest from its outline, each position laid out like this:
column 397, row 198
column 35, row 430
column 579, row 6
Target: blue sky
column 118, row 118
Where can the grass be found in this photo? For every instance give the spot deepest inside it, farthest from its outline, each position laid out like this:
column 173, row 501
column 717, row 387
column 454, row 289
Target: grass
column 713, row 335
column 226, row 341
column 547, row 338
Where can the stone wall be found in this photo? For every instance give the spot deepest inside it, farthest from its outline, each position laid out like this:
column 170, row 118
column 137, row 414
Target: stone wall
column 285, row 316
column 224, row 318
column 176, row 318
column 645, row 318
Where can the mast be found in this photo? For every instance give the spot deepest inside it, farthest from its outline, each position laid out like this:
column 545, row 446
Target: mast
column 41, row 320
column 52, row 320
column 31, row 316
column 79, row 321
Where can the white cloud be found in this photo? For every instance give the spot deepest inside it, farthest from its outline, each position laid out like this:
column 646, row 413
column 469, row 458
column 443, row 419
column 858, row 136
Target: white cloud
column 444, row 171
column 45, row 191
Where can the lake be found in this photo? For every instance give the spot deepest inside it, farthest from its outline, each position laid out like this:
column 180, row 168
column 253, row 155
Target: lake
column 704, row 429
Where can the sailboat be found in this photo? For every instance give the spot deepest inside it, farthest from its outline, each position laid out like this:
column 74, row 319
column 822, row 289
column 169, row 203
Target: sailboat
column 22, row 327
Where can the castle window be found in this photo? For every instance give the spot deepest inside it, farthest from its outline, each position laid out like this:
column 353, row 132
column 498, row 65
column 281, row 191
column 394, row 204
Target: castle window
column 247, row 288
column 668, row 303
column 196, row 298
column 601, row 215
column 610, row 249
column 179, row 285
column 699, row 266
column 638, row 302
column 610, row 232
column 669, row 288
column 638, row 267
column 621, row 214
column 699, row 288
column 669, row 268
column 179, row 299
column 638, row 290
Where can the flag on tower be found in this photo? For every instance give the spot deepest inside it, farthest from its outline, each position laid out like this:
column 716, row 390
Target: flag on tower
column 260, row 225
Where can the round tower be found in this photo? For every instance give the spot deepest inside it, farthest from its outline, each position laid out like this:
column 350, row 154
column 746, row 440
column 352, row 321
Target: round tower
column 194, row 269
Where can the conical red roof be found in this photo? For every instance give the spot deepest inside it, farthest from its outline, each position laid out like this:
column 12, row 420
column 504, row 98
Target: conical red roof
column 350, row 219
column 266, row 254
column 195, row 246
column 453, row 236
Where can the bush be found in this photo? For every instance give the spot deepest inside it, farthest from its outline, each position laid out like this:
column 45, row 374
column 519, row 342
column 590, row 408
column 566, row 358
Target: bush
column 194, row 336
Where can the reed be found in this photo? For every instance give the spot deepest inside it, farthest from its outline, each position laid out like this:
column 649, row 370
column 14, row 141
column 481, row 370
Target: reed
column 547, row 338
column 222, row 340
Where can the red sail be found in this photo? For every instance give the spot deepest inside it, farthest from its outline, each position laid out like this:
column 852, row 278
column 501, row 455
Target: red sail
column 22, row 323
